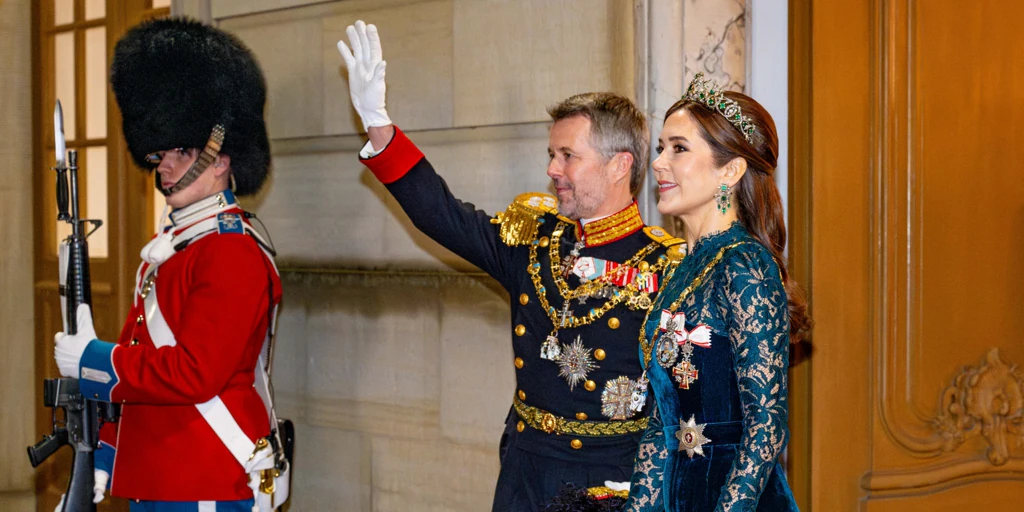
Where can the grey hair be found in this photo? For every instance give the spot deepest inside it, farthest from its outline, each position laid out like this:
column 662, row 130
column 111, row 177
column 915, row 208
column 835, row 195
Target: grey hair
column 616, row 126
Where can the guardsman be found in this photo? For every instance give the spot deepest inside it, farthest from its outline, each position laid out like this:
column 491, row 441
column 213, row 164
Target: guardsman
column 197, row 429
column 581, row 270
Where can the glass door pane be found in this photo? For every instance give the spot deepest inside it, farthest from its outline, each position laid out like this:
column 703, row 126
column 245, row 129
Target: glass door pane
column 96, row 198
column 64, row 78
column 96, row 83
column 95, row 9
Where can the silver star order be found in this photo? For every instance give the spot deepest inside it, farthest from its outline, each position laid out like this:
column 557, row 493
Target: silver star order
column 691, row 437
column 575, row 363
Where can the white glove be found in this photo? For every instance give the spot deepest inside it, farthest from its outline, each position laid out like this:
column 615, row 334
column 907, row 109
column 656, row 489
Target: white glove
column 69, row 347
column 100, row 486
column 615, row 486
column 365, row 73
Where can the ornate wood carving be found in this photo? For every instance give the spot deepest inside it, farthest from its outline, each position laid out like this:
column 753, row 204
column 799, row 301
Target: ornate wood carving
column 984, row 401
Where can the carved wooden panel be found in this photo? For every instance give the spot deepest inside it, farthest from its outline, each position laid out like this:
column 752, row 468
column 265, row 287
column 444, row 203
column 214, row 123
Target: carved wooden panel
column 948, row 217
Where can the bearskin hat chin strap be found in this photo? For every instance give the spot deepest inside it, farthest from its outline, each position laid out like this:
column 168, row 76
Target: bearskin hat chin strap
column 209, row 154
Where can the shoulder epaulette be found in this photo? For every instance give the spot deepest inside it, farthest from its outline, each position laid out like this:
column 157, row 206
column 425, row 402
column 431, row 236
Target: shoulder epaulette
column 675, row 247
column 519, row 221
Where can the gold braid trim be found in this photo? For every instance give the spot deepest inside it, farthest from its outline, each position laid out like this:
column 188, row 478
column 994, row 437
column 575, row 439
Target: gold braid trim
column 603, row 492
column 519, row 221
column 551, row 424
column 613, row 227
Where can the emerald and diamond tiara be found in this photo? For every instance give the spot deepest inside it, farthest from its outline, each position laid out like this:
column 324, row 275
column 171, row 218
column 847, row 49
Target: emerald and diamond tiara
column 708, row 93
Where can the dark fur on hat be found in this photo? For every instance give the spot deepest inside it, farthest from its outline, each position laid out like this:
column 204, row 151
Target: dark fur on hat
column 175, row 78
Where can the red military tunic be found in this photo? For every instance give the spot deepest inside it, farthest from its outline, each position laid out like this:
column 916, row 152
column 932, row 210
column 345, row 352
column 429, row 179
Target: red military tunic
column 217, row 296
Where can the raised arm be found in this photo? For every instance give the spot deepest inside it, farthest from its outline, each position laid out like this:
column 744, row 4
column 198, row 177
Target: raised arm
column 408, row 176
column 759, row 333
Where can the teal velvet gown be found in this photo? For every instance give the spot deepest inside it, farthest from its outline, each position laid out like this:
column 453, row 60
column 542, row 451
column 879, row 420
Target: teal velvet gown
column 736, row 331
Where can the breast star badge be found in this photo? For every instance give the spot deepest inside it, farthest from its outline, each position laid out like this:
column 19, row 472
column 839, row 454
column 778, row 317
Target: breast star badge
column 616, row 398
column 691, row 437
column 575, row 363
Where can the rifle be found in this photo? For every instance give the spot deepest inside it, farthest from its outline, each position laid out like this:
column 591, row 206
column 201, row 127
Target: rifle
column 82, row 417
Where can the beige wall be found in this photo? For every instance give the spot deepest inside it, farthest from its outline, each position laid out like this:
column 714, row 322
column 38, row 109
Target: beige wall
column 17, row 378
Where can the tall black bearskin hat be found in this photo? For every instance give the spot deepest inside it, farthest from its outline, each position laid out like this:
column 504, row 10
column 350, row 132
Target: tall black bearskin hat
column 176, row 78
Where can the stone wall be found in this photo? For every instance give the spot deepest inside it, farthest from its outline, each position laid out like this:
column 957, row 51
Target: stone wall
column 17, row 374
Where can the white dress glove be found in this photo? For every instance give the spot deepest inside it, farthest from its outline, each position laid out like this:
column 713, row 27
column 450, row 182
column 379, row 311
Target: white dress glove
column 69, row 347
column 100, row 486
column 616, row 486
column 365, row 73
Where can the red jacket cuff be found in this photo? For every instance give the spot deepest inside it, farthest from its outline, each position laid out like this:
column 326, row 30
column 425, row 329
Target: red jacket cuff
column 397, row 159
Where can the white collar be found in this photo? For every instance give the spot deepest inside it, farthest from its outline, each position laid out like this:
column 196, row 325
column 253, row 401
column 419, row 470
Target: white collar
column 203, row 208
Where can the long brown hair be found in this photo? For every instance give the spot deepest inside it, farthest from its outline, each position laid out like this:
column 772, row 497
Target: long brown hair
column 760, row 206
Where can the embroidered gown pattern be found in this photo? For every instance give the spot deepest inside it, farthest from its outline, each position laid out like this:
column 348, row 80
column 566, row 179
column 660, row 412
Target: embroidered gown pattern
column 743, row 301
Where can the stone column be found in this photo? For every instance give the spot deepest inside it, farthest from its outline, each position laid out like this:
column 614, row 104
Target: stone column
column 675, row 40
column 17, row 378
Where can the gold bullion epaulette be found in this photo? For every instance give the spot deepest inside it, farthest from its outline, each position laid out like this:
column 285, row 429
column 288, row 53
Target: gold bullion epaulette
column 675, row 248
column 519, row 221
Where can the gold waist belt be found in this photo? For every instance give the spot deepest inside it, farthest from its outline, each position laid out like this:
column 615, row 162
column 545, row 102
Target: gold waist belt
column 547, row 422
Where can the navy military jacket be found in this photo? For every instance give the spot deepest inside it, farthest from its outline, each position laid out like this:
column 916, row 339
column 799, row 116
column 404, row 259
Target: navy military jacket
column 577, row 406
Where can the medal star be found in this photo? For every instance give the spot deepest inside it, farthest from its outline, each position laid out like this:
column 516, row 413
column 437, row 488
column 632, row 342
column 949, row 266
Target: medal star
column 691, row 437
column 575, row 363
column 617, row 397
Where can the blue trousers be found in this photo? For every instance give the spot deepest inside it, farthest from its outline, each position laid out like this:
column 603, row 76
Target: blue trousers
column 190, row 506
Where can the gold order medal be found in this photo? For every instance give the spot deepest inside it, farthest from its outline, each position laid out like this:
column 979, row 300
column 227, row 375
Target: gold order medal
column 691, row 437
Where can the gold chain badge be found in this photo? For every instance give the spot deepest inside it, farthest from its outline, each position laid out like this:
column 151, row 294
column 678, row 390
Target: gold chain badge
column 588, row 288
column 567, row 294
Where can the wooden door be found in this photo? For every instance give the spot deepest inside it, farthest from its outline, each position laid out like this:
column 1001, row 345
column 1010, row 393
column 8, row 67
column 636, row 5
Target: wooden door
column 909, row 133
